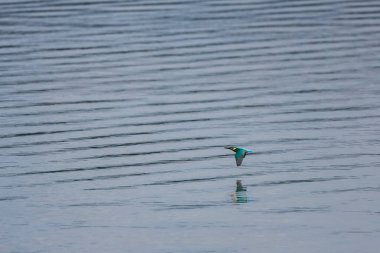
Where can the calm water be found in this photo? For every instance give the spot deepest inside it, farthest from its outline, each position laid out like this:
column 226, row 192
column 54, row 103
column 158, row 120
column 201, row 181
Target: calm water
column 114, row 115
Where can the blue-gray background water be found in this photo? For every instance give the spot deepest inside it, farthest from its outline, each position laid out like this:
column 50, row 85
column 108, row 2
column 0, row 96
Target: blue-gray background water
column 114, row 115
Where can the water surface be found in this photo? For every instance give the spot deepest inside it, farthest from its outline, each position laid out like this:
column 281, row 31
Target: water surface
column 114, row 115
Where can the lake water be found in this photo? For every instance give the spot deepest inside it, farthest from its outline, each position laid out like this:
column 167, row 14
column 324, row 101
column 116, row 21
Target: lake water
column 114, row 115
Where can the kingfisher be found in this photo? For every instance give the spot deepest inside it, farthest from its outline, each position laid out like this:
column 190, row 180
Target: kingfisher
column 240, row 153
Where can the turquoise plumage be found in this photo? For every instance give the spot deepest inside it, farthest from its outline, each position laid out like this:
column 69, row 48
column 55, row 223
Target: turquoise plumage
column 240, row 153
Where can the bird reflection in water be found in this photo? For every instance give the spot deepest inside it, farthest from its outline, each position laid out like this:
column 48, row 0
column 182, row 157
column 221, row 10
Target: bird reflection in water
column 240, row 194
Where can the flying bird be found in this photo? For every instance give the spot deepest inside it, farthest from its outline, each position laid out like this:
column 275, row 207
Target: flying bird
column 240, row 153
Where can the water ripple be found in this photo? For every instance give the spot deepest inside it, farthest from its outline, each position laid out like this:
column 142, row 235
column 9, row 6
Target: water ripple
column 98, row 96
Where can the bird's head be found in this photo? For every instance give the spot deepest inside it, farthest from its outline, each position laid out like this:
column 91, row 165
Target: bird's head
column 231, row 148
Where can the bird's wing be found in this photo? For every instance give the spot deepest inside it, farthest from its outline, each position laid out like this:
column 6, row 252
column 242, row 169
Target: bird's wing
column 239, row 156
column 239, row 160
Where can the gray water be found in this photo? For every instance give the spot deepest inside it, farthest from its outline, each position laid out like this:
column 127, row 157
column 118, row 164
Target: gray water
column 114, row 115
